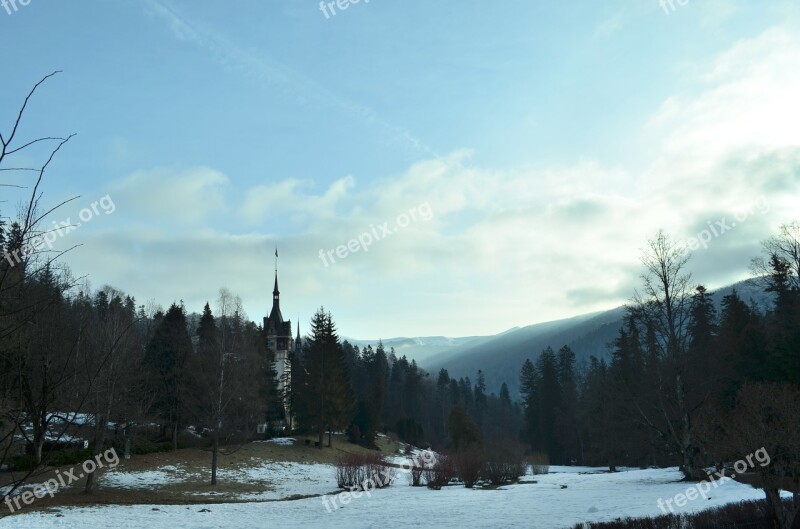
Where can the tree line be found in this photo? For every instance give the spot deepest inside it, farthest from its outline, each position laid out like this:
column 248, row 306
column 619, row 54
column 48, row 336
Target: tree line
column 684, row 384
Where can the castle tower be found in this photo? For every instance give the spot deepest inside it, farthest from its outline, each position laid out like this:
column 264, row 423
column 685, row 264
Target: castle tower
column 279, row 340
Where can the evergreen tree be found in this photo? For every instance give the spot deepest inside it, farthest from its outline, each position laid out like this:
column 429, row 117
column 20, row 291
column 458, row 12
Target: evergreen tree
column 566, row 425
column 166, row 355
column 480, row 398
column 463, row 430
column 505, row 396
column 325, row 397
column 549, row 397
column 529, row 382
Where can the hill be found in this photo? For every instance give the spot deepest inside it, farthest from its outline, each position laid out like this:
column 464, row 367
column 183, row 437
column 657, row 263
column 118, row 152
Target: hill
column 501, row 357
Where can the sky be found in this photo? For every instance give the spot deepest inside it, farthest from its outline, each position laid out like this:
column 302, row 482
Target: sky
column 424, row 168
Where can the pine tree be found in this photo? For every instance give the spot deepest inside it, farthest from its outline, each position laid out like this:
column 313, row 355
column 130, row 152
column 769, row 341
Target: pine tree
column 549, row 397
column 505, row 396
column 324, row 394
column 166, row 355
column 529, row 382
column 480, row 398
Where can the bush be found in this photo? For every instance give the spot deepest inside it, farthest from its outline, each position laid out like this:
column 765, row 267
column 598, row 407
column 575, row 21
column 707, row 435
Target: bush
column 23, row 463
column 505, row 462
column 469, row 465
column 68, row 457
column 416, row 475
column 540, row 463
column 363, row 471
column 440, row 473
column 750, row 514
column 417, row 463
column 142, row 447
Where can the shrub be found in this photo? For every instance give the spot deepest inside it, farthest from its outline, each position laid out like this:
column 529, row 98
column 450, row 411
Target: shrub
column 363, row 471
column 440, row 473
column 540, row 463
column 416, row 475
column 142, row 447
column 417, row 463
column 504, row 462
column 68, row 457
column 23, row 462
column 469, row 465
column 750, row 515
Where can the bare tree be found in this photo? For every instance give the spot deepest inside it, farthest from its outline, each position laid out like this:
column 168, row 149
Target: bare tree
column 663, row 308
column 32, row 376
column 39, row 337
column 222, row 374
column 109, row 353
column 782, row 250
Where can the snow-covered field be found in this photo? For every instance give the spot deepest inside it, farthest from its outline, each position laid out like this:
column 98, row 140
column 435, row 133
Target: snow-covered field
column 276, row 480
column 560, row 499
column 144, row 479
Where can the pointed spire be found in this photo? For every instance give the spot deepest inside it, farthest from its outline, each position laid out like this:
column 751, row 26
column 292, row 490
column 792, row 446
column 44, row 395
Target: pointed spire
column 298, row 342
column 275, row 290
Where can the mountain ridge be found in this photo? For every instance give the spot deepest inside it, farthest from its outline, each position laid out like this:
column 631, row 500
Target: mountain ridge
column 500, row 357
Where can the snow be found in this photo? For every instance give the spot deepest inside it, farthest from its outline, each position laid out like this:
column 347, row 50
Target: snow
column 416, row 457
column 558, row 500
column 282, row 441
column 78, row 419
column 284, row 479
column 19, row 490
column 145, row 479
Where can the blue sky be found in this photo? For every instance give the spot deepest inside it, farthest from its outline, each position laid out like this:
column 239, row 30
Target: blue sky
column 548, row 139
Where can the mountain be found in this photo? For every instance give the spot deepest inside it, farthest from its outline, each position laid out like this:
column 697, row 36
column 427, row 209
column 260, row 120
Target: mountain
column 423, row 348
column 501, row 357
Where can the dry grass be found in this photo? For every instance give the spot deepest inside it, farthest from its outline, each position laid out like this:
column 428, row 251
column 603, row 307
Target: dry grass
column 195, row 465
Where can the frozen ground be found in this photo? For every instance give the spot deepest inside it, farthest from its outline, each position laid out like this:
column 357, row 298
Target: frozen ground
column 145, row 479
column 560, row 499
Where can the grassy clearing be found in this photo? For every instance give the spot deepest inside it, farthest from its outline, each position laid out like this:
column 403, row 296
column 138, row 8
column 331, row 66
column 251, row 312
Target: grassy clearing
column 193, row 465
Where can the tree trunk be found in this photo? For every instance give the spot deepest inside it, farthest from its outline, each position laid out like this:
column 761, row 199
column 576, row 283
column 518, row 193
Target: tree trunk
column 126, row 442
column 775, row 507
column 214, row 455
column 687, row 445
column 38, row 446
column 330, row 444
column 97, row 446
column 175, row 436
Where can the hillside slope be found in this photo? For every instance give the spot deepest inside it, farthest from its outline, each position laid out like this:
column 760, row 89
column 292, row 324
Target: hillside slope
column 501, row 357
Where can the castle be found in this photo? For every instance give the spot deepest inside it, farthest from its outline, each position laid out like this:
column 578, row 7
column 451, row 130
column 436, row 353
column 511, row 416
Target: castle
column 278, row 334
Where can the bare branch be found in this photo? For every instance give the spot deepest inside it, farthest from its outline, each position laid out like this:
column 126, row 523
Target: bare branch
column 5, row 143
column 31, row 143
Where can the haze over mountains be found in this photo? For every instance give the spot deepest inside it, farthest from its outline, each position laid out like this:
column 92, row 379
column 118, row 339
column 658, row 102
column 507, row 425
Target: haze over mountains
column 501, row 356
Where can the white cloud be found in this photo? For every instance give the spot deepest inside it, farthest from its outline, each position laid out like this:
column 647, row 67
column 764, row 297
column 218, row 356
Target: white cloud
column 747, row 101
column 190, row 195
column 287, row 196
